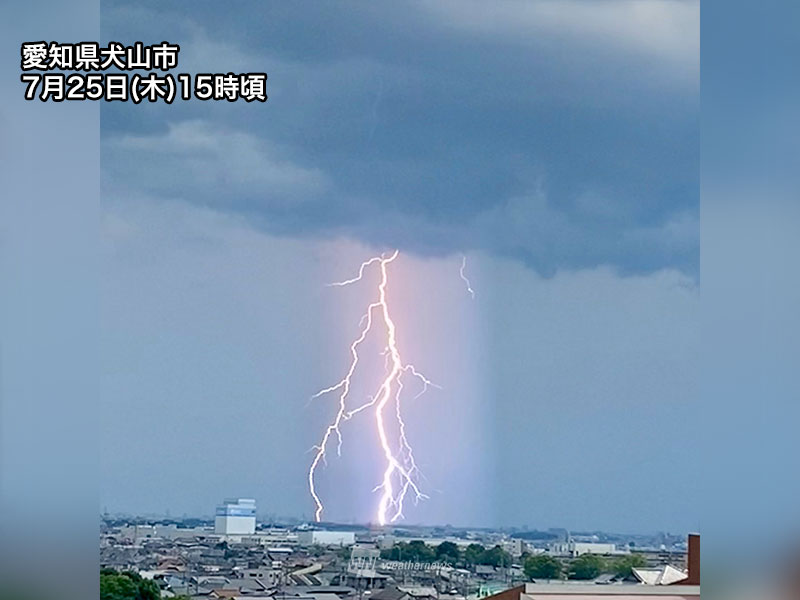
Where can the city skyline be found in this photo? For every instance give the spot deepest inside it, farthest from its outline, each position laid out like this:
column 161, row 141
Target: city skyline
column 265, row 518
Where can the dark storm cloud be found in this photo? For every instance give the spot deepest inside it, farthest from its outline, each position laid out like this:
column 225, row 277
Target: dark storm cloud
column 556, row 133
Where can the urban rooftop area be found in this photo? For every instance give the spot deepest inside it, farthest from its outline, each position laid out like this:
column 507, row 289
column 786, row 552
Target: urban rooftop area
column 237, row 557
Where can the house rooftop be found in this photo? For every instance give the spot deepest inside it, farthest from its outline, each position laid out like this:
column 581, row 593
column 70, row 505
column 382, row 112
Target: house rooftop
column 616, row 591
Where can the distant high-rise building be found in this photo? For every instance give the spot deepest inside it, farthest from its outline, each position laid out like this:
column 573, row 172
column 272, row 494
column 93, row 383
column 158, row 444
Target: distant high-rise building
column 236, row 516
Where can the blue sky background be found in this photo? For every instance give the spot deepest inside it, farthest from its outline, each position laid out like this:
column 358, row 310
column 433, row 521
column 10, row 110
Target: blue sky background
column 555, row 143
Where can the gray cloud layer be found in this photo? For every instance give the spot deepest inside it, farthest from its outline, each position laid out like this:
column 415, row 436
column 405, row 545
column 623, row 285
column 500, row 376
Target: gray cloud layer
column 560, row 133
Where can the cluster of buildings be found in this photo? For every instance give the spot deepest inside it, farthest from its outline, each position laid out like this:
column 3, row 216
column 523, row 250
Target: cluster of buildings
column 661, row 582
column 236, row 558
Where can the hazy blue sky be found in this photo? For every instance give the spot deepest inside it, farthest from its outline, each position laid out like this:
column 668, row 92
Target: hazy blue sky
column 556, row 144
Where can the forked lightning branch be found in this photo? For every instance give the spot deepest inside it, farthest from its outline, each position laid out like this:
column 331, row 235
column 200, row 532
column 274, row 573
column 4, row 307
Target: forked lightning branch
column 400, row 476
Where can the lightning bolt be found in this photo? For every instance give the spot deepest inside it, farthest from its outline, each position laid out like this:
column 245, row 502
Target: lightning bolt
column 464, row 277
column 400, row 472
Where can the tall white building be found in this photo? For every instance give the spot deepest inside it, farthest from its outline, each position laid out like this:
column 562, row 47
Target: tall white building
column 236, row 516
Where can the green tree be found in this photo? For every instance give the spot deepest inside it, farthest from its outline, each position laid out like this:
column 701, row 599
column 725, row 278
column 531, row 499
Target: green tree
column 419, row 551
column 542, row 566
column 448, row 551
column 587, row 566
column 415, row 550
column 495, row 557
column 473, row 554
column 127, row 586
column 396, row 552
column 623, row 566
